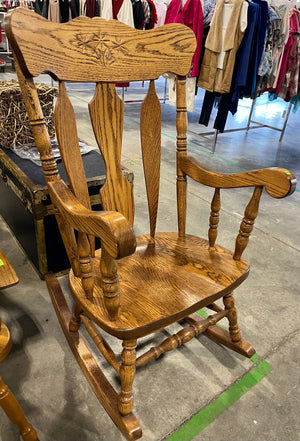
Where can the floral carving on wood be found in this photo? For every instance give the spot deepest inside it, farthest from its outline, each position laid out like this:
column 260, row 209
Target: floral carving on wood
column 106, row 49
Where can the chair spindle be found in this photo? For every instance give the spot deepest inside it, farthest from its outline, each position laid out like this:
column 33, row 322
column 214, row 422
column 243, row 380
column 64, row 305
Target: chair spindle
column 110, row 284
column 181, row 127
column 85, row 262
column 214, row 218
column 247, row 223
column 234, row 329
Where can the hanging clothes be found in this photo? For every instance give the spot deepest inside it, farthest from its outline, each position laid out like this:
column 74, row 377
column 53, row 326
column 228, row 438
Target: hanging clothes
column 161, row 10
column 74, row 6
column 123, row 10
column 147, row 13
column 54, row 11
column 223, row 40
column 191, row 15
column 138, row 14
column 41, row 7
column 65, row 12
column 153, row 15
column 91, row 8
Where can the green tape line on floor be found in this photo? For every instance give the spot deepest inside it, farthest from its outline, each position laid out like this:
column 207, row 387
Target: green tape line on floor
column 206, row 416
column 204, row 314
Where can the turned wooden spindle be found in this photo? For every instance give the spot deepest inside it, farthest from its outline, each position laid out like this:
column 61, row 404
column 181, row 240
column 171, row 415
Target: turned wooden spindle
column 234, row 329
column 127, row 372
column 86, row 265
column 247, row 223
column 182, row 337
column 214, row 217
column 14, row 412
column 181, row 144
column 110, row 284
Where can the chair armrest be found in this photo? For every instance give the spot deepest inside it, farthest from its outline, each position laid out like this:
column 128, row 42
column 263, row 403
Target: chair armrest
column 278, row 182
column 111, row 227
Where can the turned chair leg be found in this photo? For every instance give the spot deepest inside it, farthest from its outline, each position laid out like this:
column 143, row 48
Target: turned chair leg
column 16, row 415
column 234, row 329
column 127, row 372
column 75, row 321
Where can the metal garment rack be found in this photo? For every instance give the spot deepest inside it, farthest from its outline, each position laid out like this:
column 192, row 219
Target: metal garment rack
column 257, row 125
column 140, row 101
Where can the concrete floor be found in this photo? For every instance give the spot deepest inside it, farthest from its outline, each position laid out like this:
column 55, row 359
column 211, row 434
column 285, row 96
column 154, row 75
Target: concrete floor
column 230, row 398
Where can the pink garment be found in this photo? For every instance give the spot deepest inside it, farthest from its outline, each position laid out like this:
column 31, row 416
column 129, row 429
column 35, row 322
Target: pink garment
column 287, row 48
column 161, row 10
column 190, row 15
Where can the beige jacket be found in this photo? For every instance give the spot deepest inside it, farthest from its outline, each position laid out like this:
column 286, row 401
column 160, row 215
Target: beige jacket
column 211, row 77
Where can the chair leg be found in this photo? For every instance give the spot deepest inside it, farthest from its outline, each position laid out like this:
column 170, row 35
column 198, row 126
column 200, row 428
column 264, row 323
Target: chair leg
column 234, row 329
column 106, row 394
column 127, row 372
column 75, row 321
column 14, row 412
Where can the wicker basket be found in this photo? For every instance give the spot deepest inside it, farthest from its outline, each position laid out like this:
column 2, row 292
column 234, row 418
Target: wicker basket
column 15, row 129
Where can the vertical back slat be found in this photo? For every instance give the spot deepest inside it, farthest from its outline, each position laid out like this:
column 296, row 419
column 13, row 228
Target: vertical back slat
column 151, row 150
column 66, row 132
column 106, row 110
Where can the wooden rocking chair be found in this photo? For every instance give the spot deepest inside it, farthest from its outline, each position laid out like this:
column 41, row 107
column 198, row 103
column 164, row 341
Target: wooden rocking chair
column 133, row 286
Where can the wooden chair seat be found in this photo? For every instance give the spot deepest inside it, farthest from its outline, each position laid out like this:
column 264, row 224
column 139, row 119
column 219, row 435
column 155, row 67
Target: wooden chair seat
column 186, row 270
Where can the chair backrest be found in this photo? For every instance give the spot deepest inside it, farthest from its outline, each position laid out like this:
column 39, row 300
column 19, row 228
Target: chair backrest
column 104, row 52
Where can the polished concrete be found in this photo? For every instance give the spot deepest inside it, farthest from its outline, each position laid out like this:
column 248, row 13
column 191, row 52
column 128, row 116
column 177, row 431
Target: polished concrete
column 45, row 377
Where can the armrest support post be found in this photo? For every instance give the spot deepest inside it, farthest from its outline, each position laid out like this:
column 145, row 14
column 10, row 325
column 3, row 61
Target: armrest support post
column 247, row 223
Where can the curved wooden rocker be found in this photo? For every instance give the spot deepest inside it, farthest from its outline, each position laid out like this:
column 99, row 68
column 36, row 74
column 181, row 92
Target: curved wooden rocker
column 133, row 286
column 8, row 402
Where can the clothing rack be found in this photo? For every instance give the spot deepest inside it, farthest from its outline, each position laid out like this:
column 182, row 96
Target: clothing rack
column 257, row 125
column 140, row 101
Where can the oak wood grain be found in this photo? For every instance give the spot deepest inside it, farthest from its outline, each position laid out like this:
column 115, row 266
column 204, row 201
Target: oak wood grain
column 162, row 282
column 105, row 50
column 112, row 227
column 247, row 223
column 67, row 137
column 151, row 150
column 102, row 388
column 223, row 337
column 8, row 276
column 214, row 217
column 278, row 182
column 15, row 413
column 131, row 287
column 181, row 151
column 5, row 341
column 106, row 110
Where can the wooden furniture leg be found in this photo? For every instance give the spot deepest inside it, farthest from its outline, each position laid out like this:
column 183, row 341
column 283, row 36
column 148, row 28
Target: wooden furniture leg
column 127, row 371
column 16, row 415
column 234, row 329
